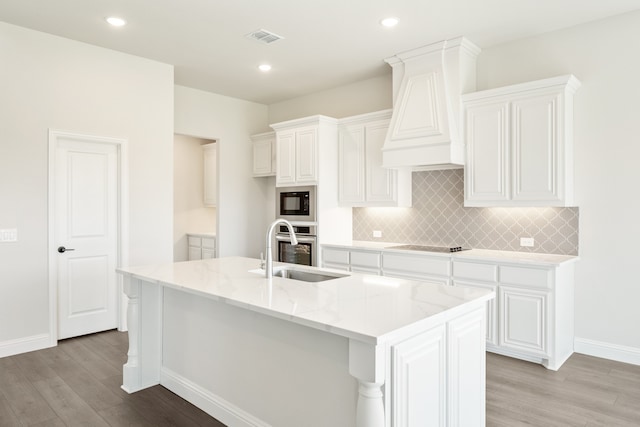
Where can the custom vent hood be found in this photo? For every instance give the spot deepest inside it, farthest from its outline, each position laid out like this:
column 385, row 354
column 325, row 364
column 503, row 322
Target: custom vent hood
column 425, row 130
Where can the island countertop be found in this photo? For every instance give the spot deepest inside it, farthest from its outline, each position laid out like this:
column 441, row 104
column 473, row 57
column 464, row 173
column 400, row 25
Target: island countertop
column 371, row 309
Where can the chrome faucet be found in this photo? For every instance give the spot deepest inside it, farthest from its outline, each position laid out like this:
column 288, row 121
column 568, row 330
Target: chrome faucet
column 269, row 257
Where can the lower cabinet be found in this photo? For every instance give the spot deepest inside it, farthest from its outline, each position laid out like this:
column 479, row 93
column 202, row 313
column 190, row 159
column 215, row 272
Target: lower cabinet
column 524, row 319
column 433, row 269
column 531, row 316
column 492, row 308
column 437, row 377
column 356, row 260
column 201, row 247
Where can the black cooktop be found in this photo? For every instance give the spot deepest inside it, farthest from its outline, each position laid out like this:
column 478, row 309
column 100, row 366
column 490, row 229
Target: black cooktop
column 441, row 249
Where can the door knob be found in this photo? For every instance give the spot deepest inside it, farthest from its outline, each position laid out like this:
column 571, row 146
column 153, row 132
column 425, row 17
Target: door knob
column 62, row 249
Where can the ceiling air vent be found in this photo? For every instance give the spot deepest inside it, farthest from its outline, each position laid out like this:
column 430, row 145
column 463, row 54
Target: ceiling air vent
column 264, row 36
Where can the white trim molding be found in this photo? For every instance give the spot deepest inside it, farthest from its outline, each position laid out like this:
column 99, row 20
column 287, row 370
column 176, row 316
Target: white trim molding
column 25, row 345
column 209, row 402
column 605, row 350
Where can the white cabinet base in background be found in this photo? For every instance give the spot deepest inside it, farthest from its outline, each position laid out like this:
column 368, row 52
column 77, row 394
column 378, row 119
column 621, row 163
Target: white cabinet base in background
column 201, row 246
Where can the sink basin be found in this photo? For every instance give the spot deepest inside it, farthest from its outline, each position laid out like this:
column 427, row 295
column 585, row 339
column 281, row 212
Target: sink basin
column 306, row 276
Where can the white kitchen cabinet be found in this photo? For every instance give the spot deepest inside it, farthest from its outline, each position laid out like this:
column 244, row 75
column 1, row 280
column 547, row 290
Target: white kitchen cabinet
column 520, row 144
column 531, row 317
column 362, row 181
column 355, row 260
column 478, row 275
column 299, row 145
column 435, row 269
column 210, row 153
column 523, row 319
column 437, row 378
column 264, row 154
column 201, row 246
column 336, row 258
column 419, row 365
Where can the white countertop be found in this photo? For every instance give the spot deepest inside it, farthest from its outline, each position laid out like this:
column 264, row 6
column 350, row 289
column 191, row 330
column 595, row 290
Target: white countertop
column 210, row 234
column 470, row 255
column 367, row 308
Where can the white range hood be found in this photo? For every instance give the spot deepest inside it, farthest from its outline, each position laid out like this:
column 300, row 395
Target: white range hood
column 425, row 130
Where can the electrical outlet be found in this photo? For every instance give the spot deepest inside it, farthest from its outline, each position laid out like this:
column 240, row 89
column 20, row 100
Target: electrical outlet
column 527, row 242
column 9, row 235
column 377, row 233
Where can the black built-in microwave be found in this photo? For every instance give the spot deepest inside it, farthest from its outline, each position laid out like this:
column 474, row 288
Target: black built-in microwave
column 296, row 203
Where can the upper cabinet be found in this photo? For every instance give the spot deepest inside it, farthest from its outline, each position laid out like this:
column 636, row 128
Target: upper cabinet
column 520, row 144
column 299, row 146
column 362, row 181
column 210, row 152
column 264, row 154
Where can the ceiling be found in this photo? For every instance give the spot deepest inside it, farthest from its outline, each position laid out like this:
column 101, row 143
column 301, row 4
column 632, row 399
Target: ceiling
column 327, row 43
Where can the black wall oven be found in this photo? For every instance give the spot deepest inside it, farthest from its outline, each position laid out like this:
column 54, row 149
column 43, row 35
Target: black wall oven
column 296, row 203
column 304, row 252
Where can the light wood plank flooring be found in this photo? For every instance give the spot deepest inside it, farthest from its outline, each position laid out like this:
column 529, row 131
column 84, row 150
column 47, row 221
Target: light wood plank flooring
column 78, row 382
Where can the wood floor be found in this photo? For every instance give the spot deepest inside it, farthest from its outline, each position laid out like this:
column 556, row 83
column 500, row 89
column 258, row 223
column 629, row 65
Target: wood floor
column 78, row 382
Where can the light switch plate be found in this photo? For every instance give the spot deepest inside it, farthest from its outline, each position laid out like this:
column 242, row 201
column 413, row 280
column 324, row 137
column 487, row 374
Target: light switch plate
column 377, row 233
column 527, row 242
column 9, row 235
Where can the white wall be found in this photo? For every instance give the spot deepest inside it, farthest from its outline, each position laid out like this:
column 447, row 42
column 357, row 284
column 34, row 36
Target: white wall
column 604, row 56
column 51, row 82
column 242, row 216
column 189, row 212
column 357, row 98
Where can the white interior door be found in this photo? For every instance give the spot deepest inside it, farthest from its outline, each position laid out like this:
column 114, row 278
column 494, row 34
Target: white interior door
column 86, row 235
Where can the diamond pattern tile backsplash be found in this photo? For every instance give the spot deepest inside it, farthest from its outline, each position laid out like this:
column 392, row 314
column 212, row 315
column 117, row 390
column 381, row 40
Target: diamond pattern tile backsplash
column 438, row 218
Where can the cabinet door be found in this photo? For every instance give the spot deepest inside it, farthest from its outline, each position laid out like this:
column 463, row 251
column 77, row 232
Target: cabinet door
column 380, row 182
column 466, row 370
column 535, row 143
column 263, row 164
column 492, row 308
column 210, row 175
column 335, row 258
column 208, row 253
column 418, row 383
column 487, row 167
column 351, row 169
column 523, row 315
column 306, row 158
column 285, row 158
column 195, row 252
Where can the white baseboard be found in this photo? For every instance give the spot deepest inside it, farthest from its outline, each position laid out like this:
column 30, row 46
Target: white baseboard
column 606, row 350
column 212, row 404
column 25, row 345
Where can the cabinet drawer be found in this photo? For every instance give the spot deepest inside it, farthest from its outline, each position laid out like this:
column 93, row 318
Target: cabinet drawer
column 365, row 259
column 536, row 277
column 195, row 241
column 208, row 253
column 209, row 243
column 335, row 256
column 409, row 264
column 472, row 270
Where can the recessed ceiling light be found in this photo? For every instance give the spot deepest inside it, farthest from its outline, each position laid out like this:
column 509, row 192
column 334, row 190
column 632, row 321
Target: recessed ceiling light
column 264, row 67
column 115, row 21
column 389, row 22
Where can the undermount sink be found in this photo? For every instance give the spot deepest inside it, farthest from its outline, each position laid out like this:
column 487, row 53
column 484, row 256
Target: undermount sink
column 301, row 275
column 306, row 276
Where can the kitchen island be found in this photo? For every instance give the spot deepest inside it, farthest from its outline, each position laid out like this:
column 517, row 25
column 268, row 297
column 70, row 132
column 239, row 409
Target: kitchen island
column 354, row 350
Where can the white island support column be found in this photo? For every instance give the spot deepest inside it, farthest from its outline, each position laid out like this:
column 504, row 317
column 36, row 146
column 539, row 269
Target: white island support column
column 144, row 321
column 367, row 365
